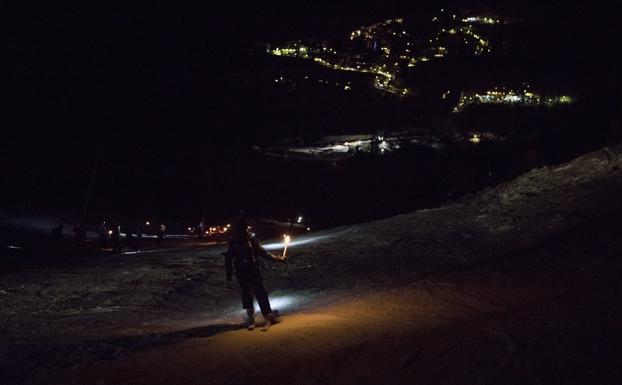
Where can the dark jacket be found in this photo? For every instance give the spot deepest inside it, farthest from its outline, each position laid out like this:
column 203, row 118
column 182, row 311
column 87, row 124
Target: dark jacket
column 243, row 253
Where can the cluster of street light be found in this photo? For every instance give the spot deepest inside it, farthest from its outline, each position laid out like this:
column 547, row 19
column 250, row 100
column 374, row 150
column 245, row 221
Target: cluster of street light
column 472, row 31
column 387, row 31
column 504, row 96
column 481, row 20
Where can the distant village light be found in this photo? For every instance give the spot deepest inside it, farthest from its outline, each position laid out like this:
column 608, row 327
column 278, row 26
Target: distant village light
column 475, row 139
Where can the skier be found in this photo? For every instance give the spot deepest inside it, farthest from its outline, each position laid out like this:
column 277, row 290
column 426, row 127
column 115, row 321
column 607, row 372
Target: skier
column 103, row 235
column 200, row 232
column 117, row 247
column 161, row 234
column 243, row 254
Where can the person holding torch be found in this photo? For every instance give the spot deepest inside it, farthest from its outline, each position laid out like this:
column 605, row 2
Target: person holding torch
column 242, row 256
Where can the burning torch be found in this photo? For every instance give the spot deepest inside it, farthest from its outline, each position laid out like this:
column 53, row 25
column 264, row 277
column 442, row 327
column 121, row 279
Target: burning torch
column 286, row 240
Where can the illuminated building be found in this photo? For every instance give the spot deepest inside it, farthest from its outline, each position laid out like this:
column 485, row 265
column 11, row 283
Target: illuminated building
column 501, row 96
column 387, row 48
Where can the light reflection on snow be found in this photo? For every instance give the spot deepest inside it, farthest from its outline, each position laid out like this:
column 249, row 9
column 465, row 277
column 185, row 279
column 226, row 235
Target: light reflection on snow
column 334, row 148
column 280, row 302
column 293, row 243
column 341, row 149
column 132, row 252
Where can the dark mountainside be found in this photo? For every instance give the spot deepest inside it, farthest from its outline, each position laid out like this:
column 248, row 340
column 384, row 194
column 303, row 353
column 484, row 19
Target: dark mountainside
column 515, row 283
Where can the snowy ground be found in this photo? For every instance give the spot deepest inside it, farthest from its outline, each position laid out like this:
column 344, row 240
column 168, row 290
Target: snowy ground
column 518, row 284
column 336, row 148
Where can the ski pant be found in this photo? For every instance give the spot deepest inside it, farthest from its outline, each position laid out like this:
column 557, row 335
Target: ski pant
column 251, row 283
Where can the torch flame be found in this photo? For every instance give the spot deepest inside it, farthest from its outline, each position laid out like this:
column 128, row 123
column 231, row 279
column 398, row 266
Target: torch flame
column 286, row 239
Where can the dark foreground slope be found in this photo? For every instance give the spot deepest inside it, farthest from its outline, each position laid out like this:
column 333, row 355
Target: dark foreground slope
column 518, row 284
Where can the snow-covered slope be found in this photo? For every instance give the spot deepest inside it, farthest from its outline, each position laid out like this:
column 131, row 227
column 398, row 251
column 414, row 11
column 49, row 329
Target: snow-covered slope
column 499, row 251
column 499, row 221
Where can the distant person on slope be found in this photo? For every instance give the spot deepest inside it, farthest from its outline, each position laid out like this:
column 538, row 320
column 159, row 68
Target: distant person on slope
column 243, row 254
column 117, row 247
column 161, row 234
column 103, row 235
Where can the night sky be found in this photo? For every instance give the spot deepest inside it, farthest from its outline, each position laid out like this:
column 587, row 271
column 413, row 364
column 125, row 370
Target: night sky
column 154, row 85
